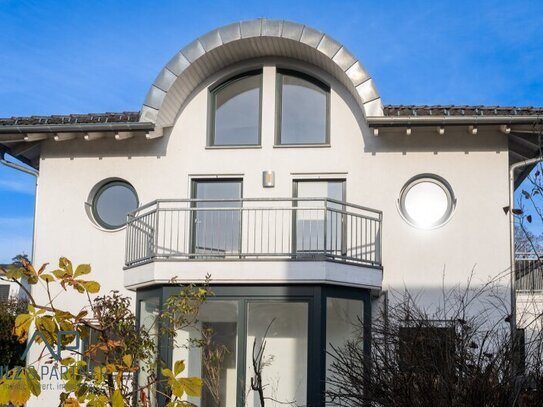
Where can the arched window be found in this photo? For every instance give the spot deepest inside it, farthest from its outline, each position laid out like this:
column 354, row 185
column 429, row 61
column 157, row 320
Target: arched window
column 303, row 106
column 235, row 111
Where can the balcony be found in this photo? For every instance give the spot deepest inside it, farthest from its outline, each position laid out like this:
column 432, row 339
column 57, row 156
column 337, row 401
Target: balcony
column 528, row 273
column 308, row 229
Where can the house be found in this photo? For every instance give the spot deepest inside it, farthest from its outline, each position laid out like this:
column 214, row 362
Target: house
column 264, row 156
column 10, row 290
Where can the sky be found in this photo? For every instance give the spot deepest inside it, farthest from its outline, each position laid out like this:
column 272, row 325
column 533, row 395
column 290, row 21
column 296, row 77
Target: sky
column 59, row 57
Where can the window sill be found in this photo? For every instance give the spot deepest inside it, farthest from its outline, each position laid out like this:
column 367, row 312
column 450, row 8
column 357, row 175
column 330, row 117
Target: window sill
column 302, row 145
column 240, row 147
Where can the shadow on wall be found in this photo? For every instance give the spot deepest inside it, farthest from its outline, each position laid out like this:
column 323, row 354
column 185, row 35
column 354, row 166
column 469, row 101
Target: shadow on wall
column 488, row 302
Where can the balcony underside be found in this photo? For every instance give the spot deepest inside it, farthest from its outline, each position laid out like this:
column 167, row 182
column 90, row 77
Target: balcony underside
column 238, row 272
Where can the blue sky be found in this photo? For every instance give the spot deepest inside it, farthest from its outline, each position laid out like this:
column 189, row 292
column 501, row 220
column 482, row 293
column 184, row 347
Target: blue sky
column 91, row 56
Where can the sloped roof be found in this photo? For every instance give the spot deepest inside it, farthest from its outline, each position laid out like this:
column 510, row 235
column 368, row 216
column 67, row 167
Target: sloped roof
column 108, row 117
column 461, row 110
column 388, row 110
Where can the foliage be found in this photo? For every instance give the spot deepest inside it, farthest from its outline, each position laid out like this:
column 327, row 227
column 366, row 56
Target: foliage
column 104, row 373
column 10, row 348
column 461, row 355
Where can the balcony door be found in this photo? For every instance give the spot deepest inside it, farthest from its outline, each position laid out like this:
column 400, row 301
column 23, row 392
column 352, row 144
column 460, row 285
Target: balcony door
column 216, row 219
column 319, row 224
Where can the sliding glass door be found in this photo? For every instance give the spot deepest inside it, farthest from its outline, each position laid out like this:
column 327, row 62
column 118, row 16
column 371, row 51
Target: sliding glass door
column 217, row 219
column 319, row 225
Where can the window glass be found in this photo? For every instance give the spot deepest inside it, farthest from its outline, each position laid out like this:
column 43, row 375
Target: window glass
column 303, row 111
column 236, row 111
column 4, row 292
column 344, row 325
column 310, row 223
column 217, row 232
column 112, row 203
column 283, row 327
column 426, row 201
column 149, row 309
column 216, row 360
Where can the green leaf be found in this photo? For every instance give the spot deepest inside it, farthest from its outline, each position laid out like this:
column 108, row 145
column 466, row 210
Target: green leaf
column 178, row 367
column 60, row 273
column 71, row 402
column 192, row 386
column 176, row 387
column 22, row 326
column 66, row 265
column 167, row 373
column 91, row 286
column 82, row 269
column 47, row 325
column 4, row 392
column 33, row 381
column 117, row 399
column 14, row 273
column 48, row 278
column 67, row 361
column 127, row 359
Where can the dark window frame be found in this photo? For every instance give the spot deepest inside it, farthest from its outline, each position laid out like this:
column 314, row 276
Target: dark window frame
column 212, row 109
column 280, row 73
column 295, row 194
column 103, row 188
column 193, row 194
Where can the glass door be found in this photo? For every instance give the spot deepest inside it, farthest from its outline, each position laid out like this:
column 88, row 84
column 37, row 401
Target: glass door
column 319, row 225
column 216, row 221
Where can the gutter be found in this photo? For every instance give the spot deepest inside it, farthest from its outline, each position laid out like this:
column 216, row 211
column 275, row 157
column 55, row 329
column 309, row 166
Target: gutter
column 512, row 169
column 76, row 128
column 18, row 167
column 402, row 121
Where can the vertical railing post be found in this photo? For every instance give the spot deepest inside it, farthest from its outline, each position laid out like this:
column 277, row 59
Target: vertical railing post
column 155, row 232
column 380, row 240
column 325, row 229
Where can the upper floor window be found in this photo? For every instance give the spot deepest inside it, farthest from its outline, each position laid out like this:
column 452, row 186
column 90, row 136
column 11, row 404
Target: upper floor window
column 236, row 110
column 303, row 107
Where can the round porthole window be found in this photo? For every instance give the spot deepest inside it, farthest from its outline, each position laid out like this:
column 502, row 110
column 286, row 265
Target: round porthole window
column 427, row 201
column 112, row 202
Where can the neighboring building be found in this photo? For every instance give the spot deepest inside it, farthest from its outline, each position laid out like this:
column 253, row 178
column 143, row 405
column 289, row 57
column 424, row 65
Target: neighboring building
column 263, row 156
column 9, row 289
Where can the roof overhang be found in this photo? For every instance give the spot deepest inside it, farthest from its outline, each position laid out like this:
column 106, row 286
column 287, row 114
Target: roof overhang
column 523, row 131
column 23, row 141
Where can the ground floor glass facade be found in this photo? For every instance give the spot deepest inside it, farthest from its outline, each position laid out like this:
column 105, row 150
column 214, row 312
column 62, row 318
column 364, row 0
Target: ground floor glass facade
column 286, row 329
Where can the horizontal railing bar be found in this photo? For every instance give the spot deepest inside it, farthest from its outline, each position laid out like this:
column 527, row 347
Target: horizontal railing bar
column 291, row 199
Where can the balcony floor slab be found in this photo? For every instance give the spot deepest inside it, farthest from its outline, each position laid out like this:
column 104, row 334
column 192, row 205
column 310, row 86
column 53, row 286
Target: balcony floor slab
column 253, row 272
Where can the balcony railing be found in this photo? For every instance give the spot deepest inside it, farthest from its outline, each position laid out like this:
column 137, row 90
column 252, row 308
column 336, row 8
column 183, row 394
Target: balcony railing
column 528, row 272
column 254, row 229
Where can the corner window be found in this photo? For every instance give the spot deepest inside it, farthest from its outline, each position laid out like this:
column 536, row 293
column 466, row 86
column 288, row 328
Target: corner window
column 236, row 110
column 303, row 106
column 427, row 201
column 112, row 202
